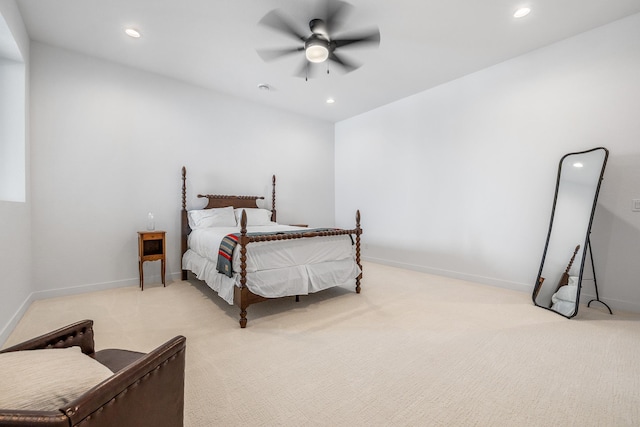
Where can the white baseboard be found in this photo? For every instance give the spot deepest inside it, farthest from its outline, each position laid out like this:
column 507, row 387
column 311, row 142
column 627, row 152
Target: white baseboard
column 8, row 328
column 13, row 322
column 616, row 305
column 522, row 287
column 74, row 290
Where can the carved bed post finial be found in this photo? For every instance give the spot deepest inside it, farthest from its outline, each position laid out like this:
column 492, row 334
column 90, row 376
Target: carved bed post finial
column 273, row 198
column 243, row 222
column 184, row 188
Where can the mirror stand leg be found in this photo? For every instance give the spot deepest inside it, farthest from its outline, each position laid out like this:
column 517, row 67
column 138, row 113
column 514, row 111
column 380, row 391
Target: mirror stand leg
column 595, row 282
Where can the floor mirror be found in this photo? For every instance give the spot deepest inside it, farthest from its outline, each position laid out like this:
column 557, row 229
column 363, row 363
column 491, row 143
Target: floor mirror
column 559, row 280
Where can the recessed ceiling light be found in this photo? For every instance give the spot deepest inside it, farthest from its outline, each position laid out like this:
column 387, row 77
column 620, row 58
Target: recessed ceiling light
column 264, row 86
column 131, row 32
column 330, row 100
column 523, row 11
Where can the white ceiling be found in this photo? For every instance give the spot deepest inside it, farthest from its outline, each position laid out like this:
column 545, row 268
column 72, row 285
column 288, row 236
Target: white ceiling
column 212, row 43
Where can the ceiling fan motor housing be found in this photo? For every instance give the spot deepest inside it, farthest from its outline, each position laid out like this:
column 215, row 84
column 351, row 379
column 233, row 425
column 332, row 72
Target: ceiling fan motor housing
column 318, row 26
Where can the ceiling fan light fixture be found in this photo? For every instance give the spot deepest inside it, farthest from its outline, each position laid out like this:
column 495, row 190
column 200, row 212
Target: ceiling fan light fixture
column 316, row 49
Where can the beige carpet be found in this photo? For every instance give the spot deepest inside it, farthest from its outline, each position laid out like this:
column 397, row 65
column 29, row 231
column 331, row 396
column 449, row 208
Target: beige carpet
column 411, row 350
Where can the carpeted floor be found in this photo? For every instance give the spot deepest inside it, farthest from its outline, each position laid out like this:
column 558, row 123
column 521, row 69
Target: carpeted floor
column 412, row 349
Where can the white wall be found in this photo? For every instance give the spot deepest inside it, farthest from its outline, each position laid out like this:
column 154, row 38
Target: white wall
column 12, row 130
column 469, row 167
column 15, row 225
column 108, row 145
column 459, row 180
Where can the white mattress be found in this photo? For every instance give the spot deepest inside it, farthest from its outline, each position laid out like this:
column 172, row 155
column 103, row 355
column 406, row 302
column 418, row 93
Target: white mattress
column 274, row 269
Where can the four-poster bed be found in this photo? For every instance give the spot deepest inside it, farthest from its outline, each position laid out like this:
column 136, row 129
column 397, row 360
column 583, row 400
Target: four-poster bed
column 239, row 250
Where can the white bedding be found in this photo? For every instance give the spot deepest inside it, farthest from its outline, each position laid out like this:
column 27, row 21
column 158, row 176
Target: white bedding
column 274, row 269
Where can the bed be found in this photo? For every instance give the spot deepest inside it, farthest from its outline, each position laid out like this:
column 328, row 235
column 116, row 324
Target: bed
column 240, row 251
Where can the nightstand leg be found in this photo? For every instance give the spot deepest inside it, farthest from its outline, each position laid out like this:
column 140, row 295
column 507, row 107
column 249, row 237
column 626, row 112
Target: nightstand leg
column 162, row 273
column 141, row 275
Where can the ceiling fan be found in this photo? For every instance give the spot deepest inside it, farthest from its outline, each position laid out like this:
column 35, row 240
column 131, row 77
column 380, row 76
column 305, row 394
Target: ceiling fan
column 321, row 43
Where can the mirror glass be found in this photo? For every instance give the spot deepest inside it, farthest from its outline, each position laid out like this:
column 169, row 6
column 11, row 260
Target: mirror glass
column 557, row 287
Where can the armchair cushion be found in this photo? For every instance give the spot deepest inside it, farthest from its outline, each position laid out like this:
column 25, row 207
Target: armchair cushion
column 144, row 390
column 47, row 379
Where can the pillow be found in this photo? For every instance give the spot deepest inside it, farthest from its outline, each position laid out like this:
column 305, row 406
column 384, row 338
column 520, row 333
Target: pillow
column 566, row 293
column 255, row 216
column 46, row 380
column 205, row 218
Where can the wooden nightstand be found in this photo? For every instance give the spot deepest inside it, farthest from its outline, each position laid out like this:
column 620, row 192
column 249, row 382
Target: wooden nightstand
column 151, row 247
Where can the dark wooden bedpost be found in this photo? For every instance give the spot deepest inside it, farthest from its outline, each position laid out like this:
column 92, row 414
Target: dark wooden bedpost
column 273, row 198
column 243, row 269
column 184, row 232
column 358, row 233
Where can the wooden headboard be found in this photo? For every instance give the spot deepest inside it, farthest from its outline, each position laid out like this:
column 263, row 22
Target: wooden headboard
column 219, row 201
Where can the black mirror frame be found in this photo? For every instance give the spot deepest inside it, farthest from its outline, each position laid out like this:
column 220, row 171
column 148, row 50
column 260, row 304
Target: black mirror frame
column 586, row 245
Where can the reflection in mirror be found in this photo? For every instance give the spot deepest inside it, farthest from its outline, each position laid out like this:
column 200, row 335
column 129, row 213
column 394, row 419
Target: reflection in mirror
column 560, row 274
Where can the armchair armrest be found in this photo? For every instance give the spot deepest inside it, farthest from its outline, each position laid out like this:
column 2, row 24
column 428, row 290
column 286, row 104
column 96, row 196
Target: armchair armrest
column 79, row 333
column 16, row 418
column 149, row 391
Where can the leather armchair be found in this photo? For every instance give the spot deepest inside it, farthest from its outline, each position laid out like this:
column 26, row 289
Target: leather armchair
column 145, row 389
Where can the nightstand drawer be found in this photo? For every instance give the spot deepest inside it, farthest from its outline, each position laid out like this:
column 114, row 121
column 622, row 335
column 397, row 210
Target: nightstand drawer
column 152, row 236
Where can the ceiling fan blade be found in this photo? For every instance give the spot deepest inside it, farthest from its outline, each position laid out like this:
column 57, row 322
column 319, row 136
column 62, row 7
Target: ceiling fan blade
column 271, row 54
column 275, row 20
column 347, row 65
column 371, row 37
column 336, row 12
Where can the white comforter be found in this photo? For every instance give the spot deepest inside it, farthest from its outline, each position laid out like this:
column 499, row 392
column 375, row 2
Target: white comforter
column 274, row 269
